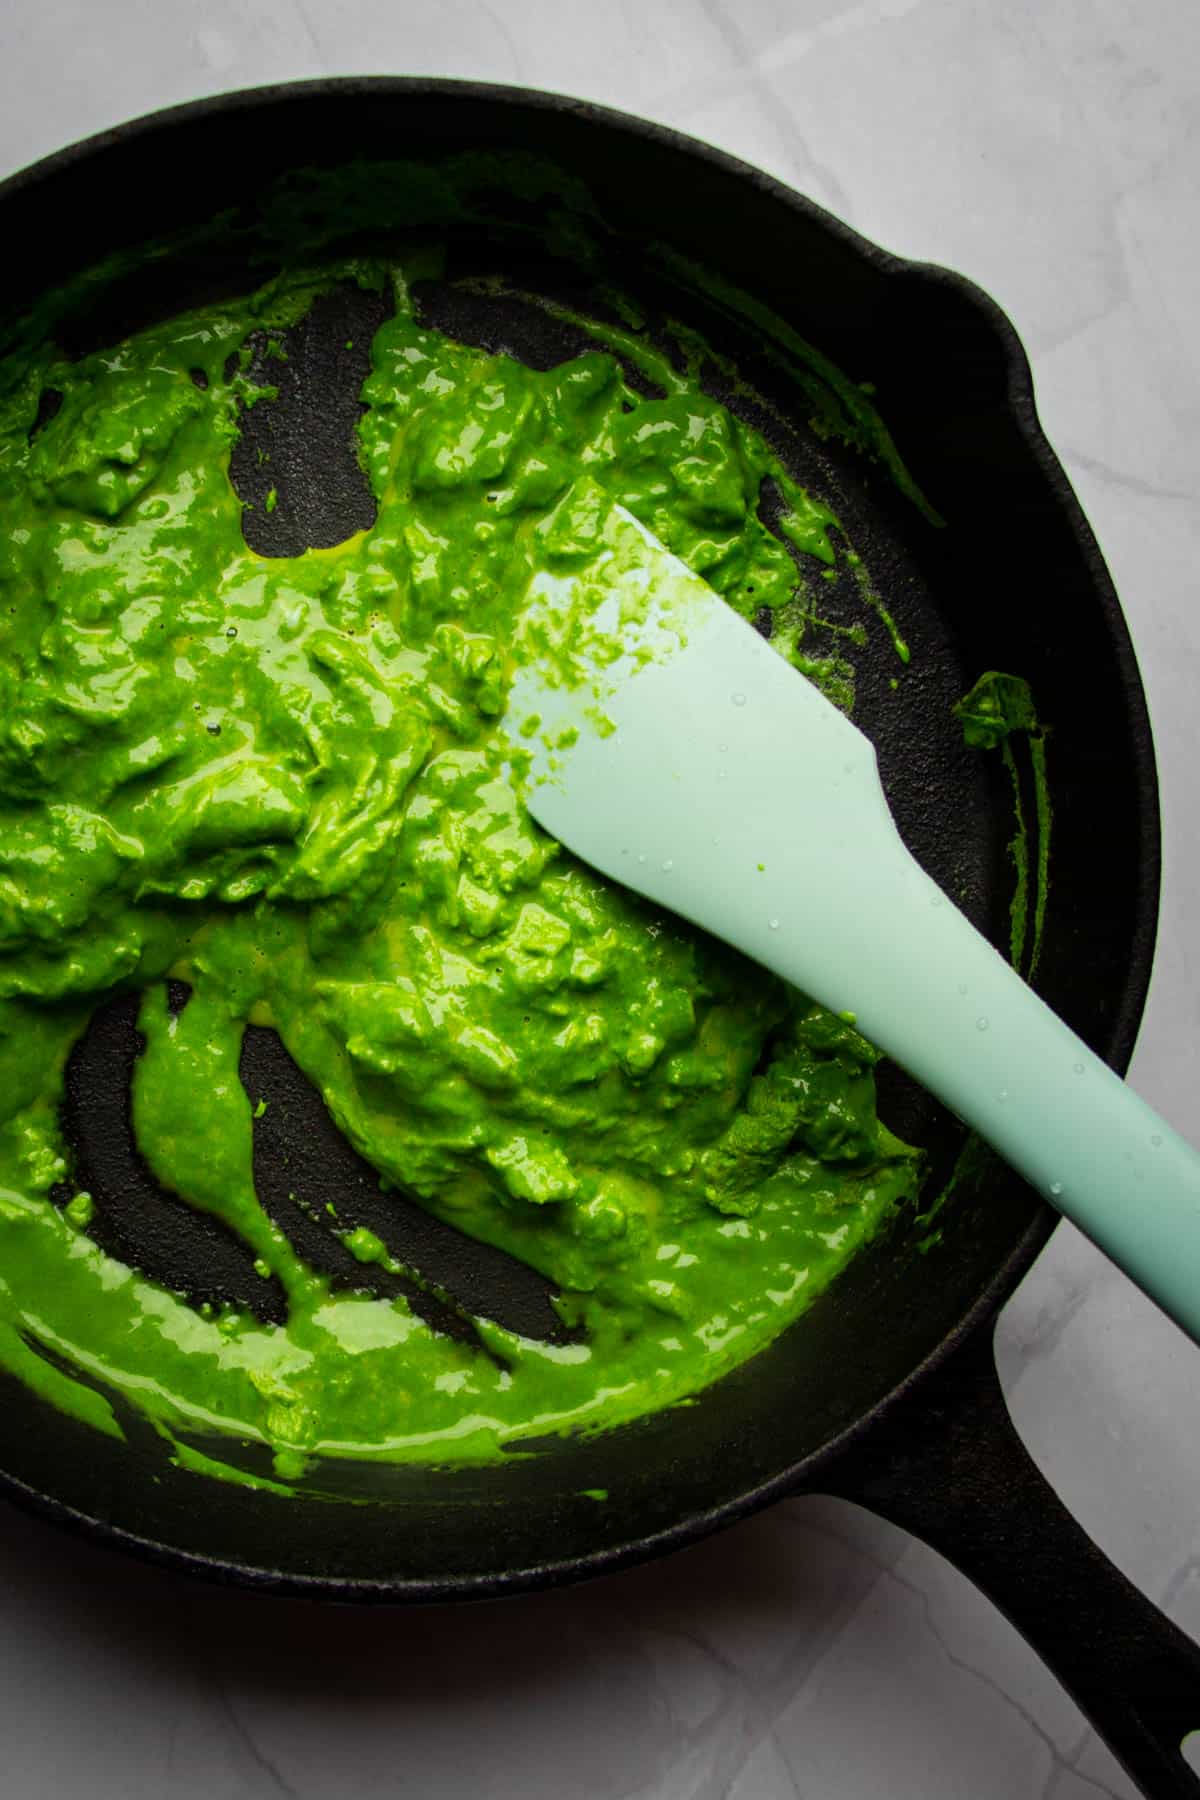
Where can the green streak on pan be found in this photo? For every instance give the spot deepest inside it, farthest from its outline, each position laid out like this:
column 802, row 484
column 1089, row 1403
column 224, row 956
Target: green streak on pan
column 998, row 708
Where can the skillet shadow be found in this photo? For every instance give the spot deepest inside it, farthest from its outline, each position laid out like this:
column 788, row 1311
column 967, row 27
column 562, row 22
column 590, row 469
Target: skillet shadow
column 812, row 1631
column 699, row 1651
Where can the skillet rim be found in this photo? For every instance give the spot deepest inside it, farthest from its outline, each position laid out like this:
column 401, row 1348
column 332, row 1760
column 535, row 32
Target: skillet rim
column 1019, row 395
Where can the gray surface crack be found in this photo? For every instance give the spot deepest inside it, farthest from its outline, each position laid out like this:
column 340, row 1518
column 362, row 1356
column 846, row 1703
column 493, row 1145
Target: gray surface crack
column 772, row 1737
column 1060, row 1764
column 310, row 32
column 734, row 1729
column 1178, row 1582
column 777, row 112
column 1048, row 1329
column 1118, row 478
column 254, row 1751
column 496, row 15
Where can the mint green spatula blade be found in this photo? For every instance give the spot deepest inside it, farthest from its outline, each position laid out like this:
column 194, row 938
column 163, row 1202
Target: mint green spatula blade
column 701, row 770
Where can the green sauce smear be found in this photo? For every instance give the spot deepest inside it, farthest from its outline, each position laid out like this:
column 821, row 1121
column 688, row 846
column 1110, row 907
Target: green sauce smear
column 998, row 708
column 283, row 782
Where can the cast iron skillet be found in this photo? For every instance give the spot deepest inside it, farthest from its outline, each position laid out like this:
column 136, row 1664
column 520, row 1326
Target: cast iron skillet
column 885, row 1392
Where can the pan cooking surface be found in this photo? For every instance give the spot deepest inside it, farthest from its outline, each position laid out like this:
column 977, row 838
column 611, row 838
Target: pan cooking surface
column 301, row 447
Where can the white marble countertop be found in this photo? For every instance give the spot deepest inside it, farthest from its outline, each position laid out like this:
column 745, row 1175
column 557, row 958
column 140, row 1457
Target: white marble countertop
column 1051, row 150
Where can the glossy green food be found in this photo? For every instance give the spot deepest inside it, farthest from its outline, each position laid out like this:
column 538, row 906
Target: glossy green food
column 284, row 782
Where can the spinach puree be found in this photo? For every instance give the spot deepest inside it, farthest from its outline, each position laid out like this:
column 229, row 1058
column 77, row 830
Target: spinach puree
column 282, row 782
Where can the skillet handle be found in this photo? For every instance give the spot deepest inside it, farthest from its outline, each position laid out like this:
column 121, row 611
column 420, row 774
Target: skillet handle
column 946, row 1464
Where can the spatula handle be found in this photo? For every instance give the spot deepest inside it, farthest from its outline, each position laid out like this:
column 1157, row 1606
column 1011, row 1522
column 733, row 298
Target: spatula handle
column 936, row 996
column 728, row 789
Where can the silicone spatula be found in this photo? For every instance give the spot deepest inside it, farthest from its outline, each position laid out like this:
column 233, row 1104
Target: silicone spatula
column 674, row 750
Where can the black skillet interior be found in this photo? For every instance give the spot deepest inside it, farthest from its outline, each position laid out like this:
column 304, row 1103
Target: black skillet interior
column 1013, row 581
